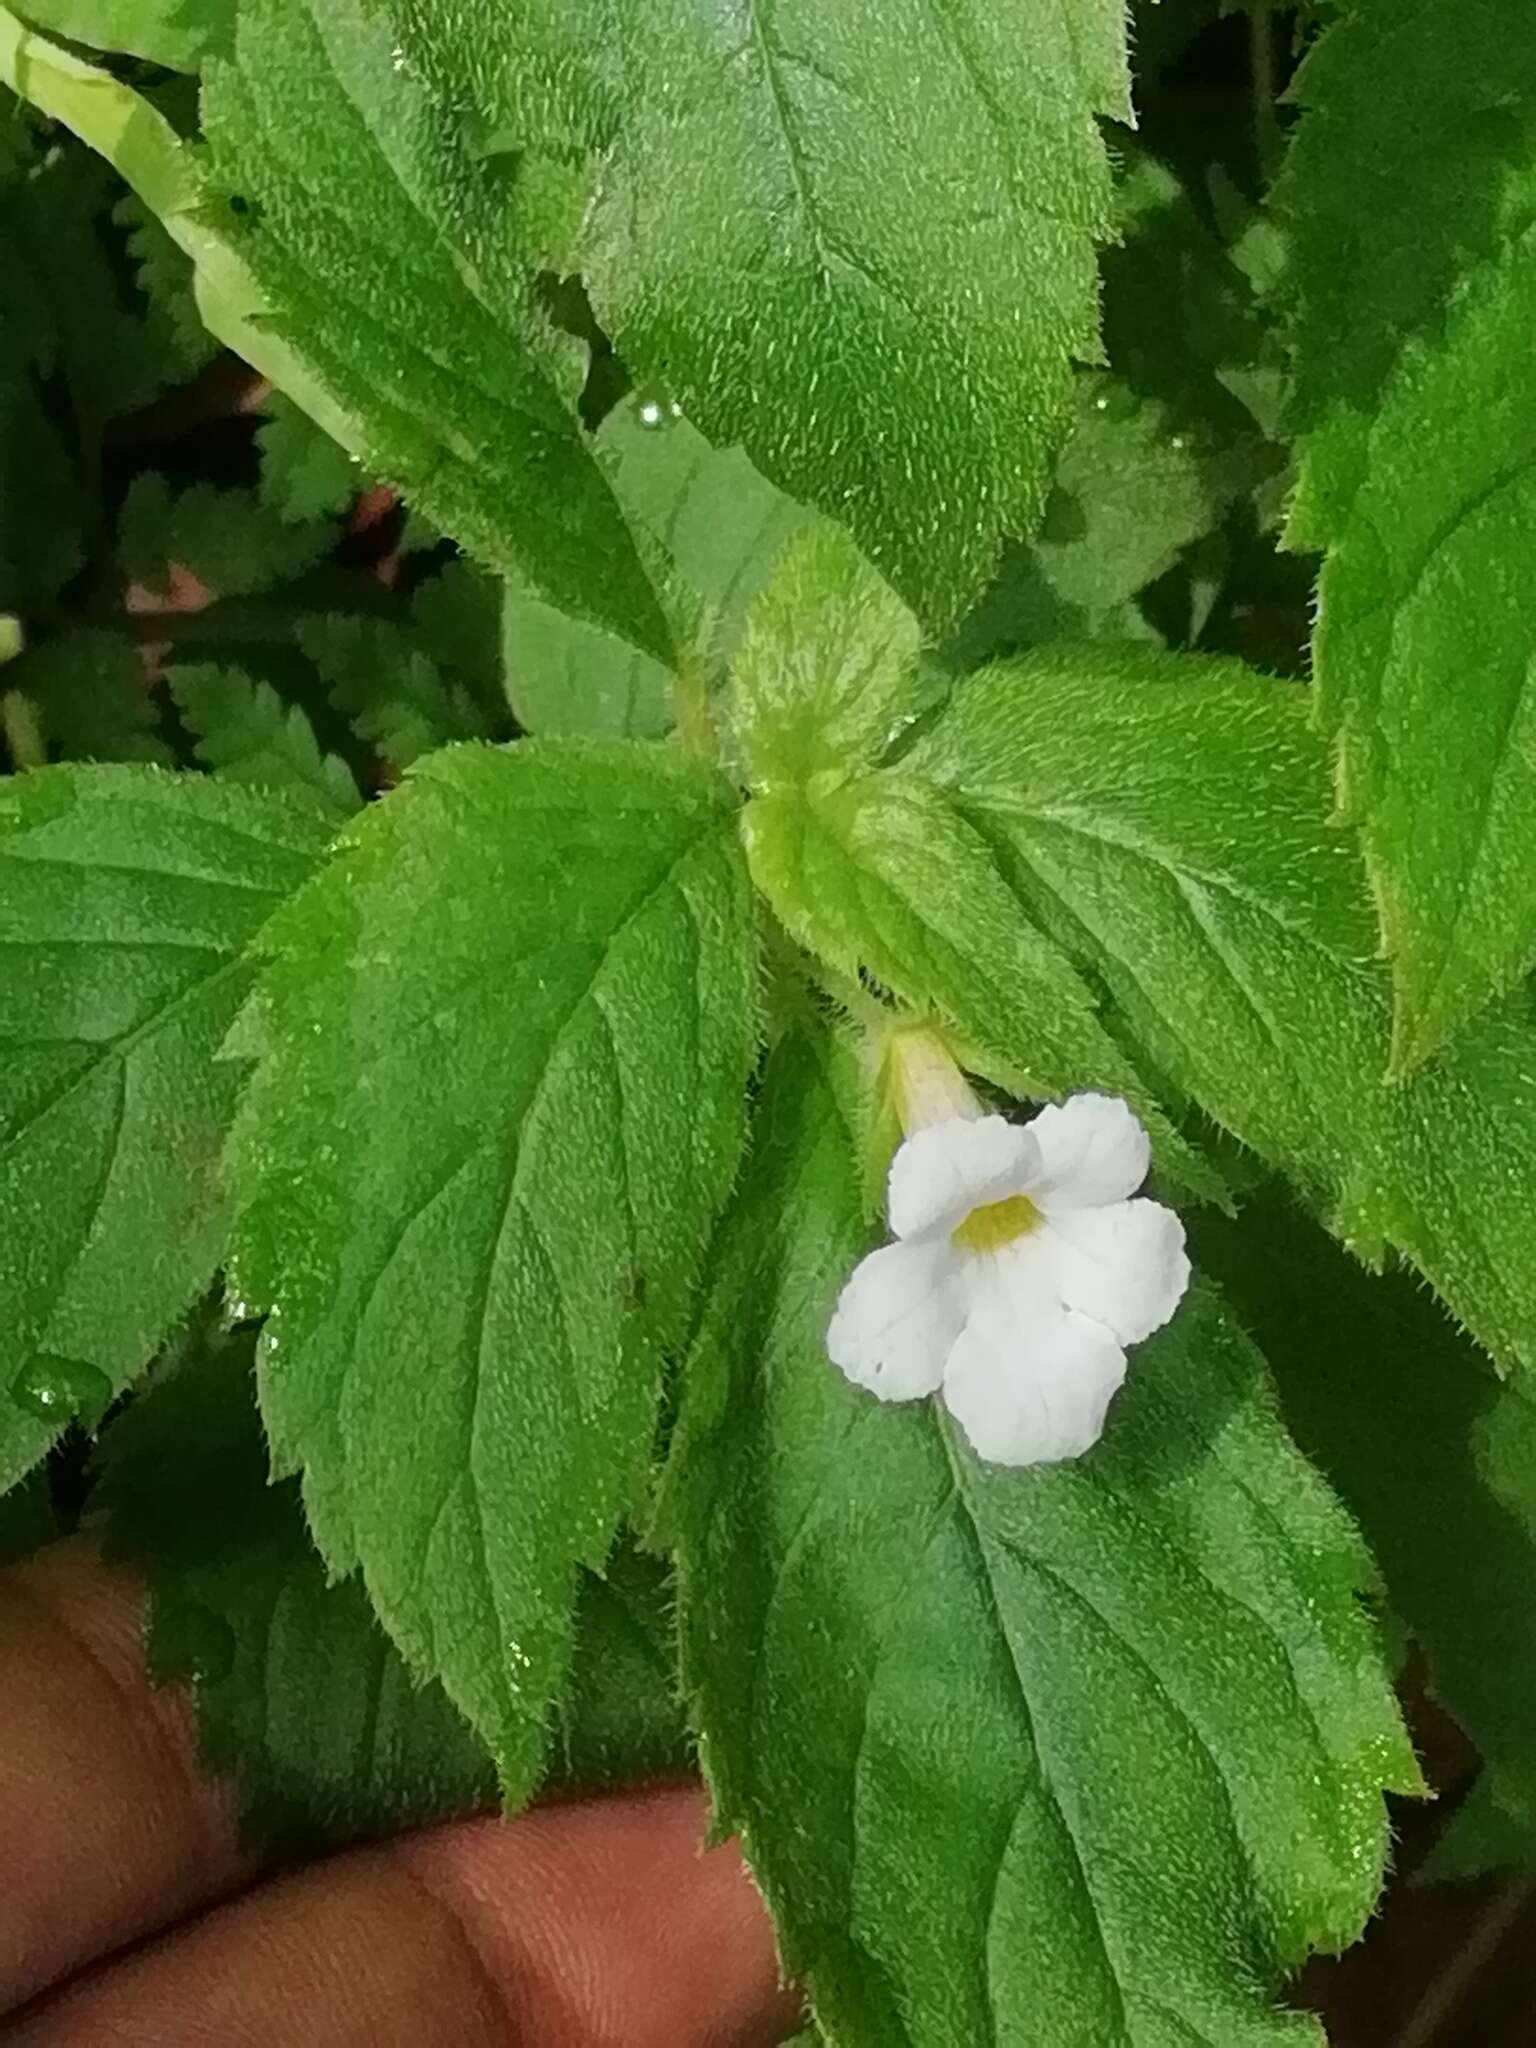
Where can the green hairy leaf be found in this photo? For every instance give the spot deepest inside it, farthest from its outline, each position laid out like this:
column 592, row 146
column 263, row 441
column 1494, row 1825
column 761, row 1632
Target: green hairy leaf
column 880, row 872
column 247, row 733
column 622, row 1717
column 1409, row 197
column 860, row 245
column 127, row 899
column 1435, row 1459
column 1159, row 1645
column 505, row 1037
column 405, row 323
column 299, row 1693
column 179, row 33
column 1166, row 821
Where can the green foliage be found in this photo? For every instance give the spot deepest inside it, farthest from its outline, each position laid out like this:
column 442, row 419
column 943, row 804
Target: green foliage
column 1414, row 280
column 392, row 691
column 300, row 1695
column 851, row 243
column 245, row 731
column 1175, row 1614
column 801, row 452
column 165, row 275
column 127, row 899
column 713, row 527
column 1167, row 822
column 1435, row 1459
column 505, row 1037
column 227, row 539
column 304, row 475
column 92, row 700
column 411, row 300
column 179, row 33
column 621, row 1718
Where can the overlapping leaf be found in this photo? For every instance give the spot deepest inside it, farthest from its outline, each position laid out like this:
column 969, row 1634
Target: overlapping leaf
column 1081, row 1754
column 127, row 898
column 861, row 245
column 506, row 1038
column 879, row 873
column 1435, row 1459
column 1167, row 821
column 354, row 250
column 1409, row 199
column 715, row 528
column 299, row 1693
column 245, row 731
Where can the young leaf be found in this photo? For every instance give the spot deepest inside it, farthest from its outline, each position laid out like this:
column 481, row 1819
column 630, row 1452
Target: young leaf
column 391, row 690
column 299, row 1693
column 127, row 898
column 826, row 677
column 860, row 245
column 878, row 873
column 1408, row 200
column 245, row 731
column 176, row 33
column 1085, row 1753
column 715, row 527
column 1166, row 820
column 506, row 1037
column 1435, row 1459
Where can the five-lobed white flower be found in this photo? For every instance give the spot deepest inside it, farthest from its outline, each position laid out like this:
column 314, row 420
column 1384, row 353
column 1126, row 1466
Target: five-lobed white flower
column 1021, row 1271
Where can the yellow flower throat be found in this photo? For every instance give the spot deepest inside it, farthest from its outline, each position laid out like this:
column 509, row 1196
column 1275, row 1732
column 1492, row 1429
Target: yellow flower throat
column 995, row 1224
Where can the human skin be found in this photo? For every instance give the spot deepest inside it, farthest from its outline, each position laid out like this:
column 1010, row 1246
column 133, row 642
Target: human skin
column 128, row 1913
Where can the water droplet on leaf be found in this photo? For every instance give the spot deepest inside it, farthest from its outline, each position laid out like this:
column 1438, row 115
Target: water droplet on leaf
column 58, row 1389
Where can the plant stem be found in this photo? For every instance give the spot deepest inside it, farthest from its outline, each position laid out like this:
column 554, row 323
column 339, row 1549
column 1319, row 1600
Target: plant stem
column 1446, row 1993
column 23, row 731
column 690, row 702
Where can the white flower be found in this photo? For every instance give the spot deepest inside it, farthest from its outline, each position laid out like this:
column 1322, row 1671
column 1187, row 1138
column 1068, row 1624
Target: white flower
column 1020, row 1272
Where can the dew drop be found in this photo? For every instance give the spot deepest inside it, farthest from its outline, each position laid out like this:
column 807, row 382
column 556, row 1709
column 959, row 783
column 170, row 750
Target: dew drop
column 650, row 412
column 56, row 1389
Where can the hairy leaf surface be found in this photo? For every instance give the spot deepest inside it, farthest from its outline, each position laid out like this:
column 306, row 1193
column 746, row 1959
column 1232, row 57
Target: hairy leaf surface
column 1084, row 1754
column 1409, row 201
column 1167, row 821
column 1435, row 1459
column 858, row 242
column 127, row 899
column 300, row 1695
column 506, row 1037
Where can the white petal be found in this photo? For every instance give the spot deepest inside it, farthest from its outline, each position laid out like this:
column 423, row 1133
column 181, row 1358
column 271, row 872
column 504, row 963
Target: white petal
column 1123, row 1264
column 1030, row 1382
column 1092, row 1150
column 945, row 1170
column 896, row 1320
